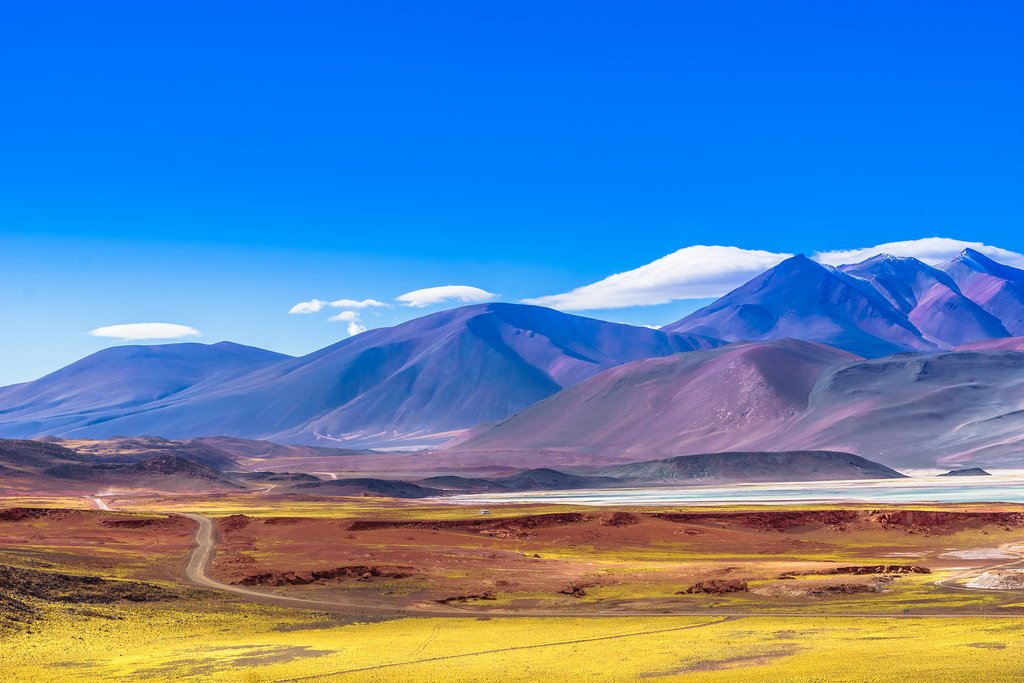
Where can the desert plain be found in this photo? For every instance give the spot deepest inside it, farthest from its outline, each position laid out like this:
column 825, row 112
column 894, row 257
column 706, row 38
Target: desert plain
column 252, row 586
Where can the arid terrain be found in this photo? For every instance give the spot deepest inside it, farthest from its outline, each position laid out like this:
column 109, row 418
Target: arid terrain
column 260, row 587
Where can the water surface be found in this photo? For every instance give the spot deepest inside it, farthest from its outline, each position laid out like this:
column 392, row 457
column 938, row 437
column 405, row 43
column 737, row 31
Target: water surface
column 1002, row 487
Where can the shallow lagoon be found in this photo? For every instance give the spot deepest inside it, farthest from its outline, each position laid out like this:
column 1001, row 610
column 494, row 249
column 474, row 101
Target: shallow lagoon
column 1002, row 487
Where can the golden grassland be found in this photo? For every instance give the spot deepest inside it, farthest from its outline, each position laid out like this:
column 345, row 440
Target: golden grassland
column 42, row 501
column 220, row 640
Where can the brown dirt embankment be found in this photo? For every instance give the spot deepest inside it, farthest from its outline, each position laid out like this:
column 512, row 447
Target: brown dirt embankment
column 362, row 573
column 504, row 527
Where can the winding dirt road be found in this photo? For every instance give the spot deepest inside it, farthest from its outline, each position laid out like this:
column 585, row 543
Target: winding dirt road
column 206, row 543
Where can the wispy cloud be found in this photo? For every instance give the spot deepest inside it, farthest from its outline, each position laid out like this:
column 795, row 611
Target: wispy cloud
column 353, row 303
column 317, row 305
column 311, row 306
column 696, row 272
column 141, row 331
column 344, row 316
column 931, row 250
column 421, row 298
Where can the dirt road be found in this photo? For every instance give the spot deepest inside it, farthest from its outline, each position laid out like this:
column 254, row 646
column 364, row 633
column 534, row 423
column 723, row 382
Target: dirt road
column 196, row 572
column 954, row 582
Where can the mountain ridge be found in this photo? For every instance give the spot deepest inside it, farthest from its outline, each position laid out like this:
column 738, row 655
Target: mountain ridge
column 883, row 305
column 411, row 384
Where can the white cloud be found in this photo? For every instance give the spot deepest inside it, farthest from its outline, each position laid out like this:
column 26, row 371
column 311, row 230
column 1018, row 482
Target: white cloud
column 344, row 317
column 931, row 250
column 317, row 305
column 355, row 328
column 311, row 306
column 140, row 331
column 696, row 272
column 353, row 303
column 422, row 298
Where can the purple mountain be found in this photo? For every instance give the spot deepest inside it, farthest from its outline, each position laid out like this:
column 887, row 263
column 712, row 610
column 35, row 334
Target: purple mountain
column 920, row 410
column 803, row 299
column 406, row 385
column 120, row 379
column 930, row 298
column 994, row 287
column 885, row 305
column 730, row 398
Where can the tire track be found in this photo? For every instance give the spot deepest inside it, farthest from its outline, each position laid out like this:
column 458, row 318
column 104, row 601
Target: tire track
column 514, row 648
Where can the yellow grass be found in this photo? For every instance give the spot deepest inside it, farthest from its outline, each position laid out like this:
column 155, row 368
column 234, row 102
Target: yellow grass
column 218, row 640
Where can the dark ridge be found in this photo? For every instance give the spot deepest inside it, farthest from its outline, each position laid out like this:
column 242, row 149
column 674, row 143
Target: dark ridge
column 757, row 466
column 385, row 488
column 275, row 477
column 544, row 479
column 455, row 483
column 967, row 472
column 36, row 453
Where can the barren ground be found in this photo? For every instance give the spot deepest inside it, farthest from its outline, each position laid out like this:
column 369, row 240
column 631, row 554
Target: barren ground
column 576, row 576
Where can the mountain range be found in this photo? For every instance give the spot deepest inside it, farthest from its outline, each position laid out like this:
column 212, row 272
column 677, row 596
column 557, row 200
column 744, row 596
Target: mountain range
column 803, row 356
column 884, row 305
column 408, row 385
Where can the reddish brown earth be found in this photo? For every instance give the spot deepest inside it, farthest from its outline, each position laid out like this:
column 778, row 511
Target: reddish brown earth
column 618, row 557
column 716, row 587
column 106, row 543
column 576, row 554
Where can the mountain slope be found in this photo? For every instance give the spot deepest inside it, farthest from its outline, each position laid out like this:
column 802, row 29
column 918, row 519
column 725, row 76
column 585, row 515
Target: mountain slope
column 117, row 380
column 1005, row 344
column 723, row 399
column 903, row 411
column 940, row 409
column 994, row 287
column 403, row 385
column 930, row 299
column 803, row 299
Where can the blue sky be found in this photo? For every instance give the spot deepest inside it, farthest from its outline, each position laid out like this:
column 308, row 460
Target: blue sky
column 213, row 164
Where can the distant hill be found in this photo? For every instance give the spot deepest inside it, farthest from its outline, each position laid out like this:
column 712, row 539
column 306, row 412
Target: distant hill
column 546, row 479
column 752, row 467
column 49, row 466
column 367, row 487
column 117, row 381
column 687, row 470
column 166, row 472
column 33, row 455
column 967, row 472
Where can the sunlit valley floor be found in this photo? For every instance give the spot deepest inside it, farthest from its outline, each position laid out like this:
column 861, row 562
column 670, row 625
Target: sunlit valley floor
column 368, row 589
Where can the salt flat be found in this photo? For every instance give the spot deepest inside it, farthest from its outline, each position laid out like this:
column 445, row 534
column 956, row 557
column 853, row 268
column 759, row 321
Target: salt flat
column 1006, row 486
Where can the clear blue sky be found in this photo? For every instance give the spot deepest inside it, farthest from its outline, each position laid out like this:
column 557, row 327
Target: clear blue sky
column 213, row 163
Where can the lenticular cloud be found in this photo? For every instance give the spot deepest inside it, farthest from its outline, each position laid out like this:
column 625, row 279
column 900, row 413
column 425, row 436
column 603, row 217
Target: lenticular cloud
column 696, row 272
column 931, row 250
column 141, row 331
